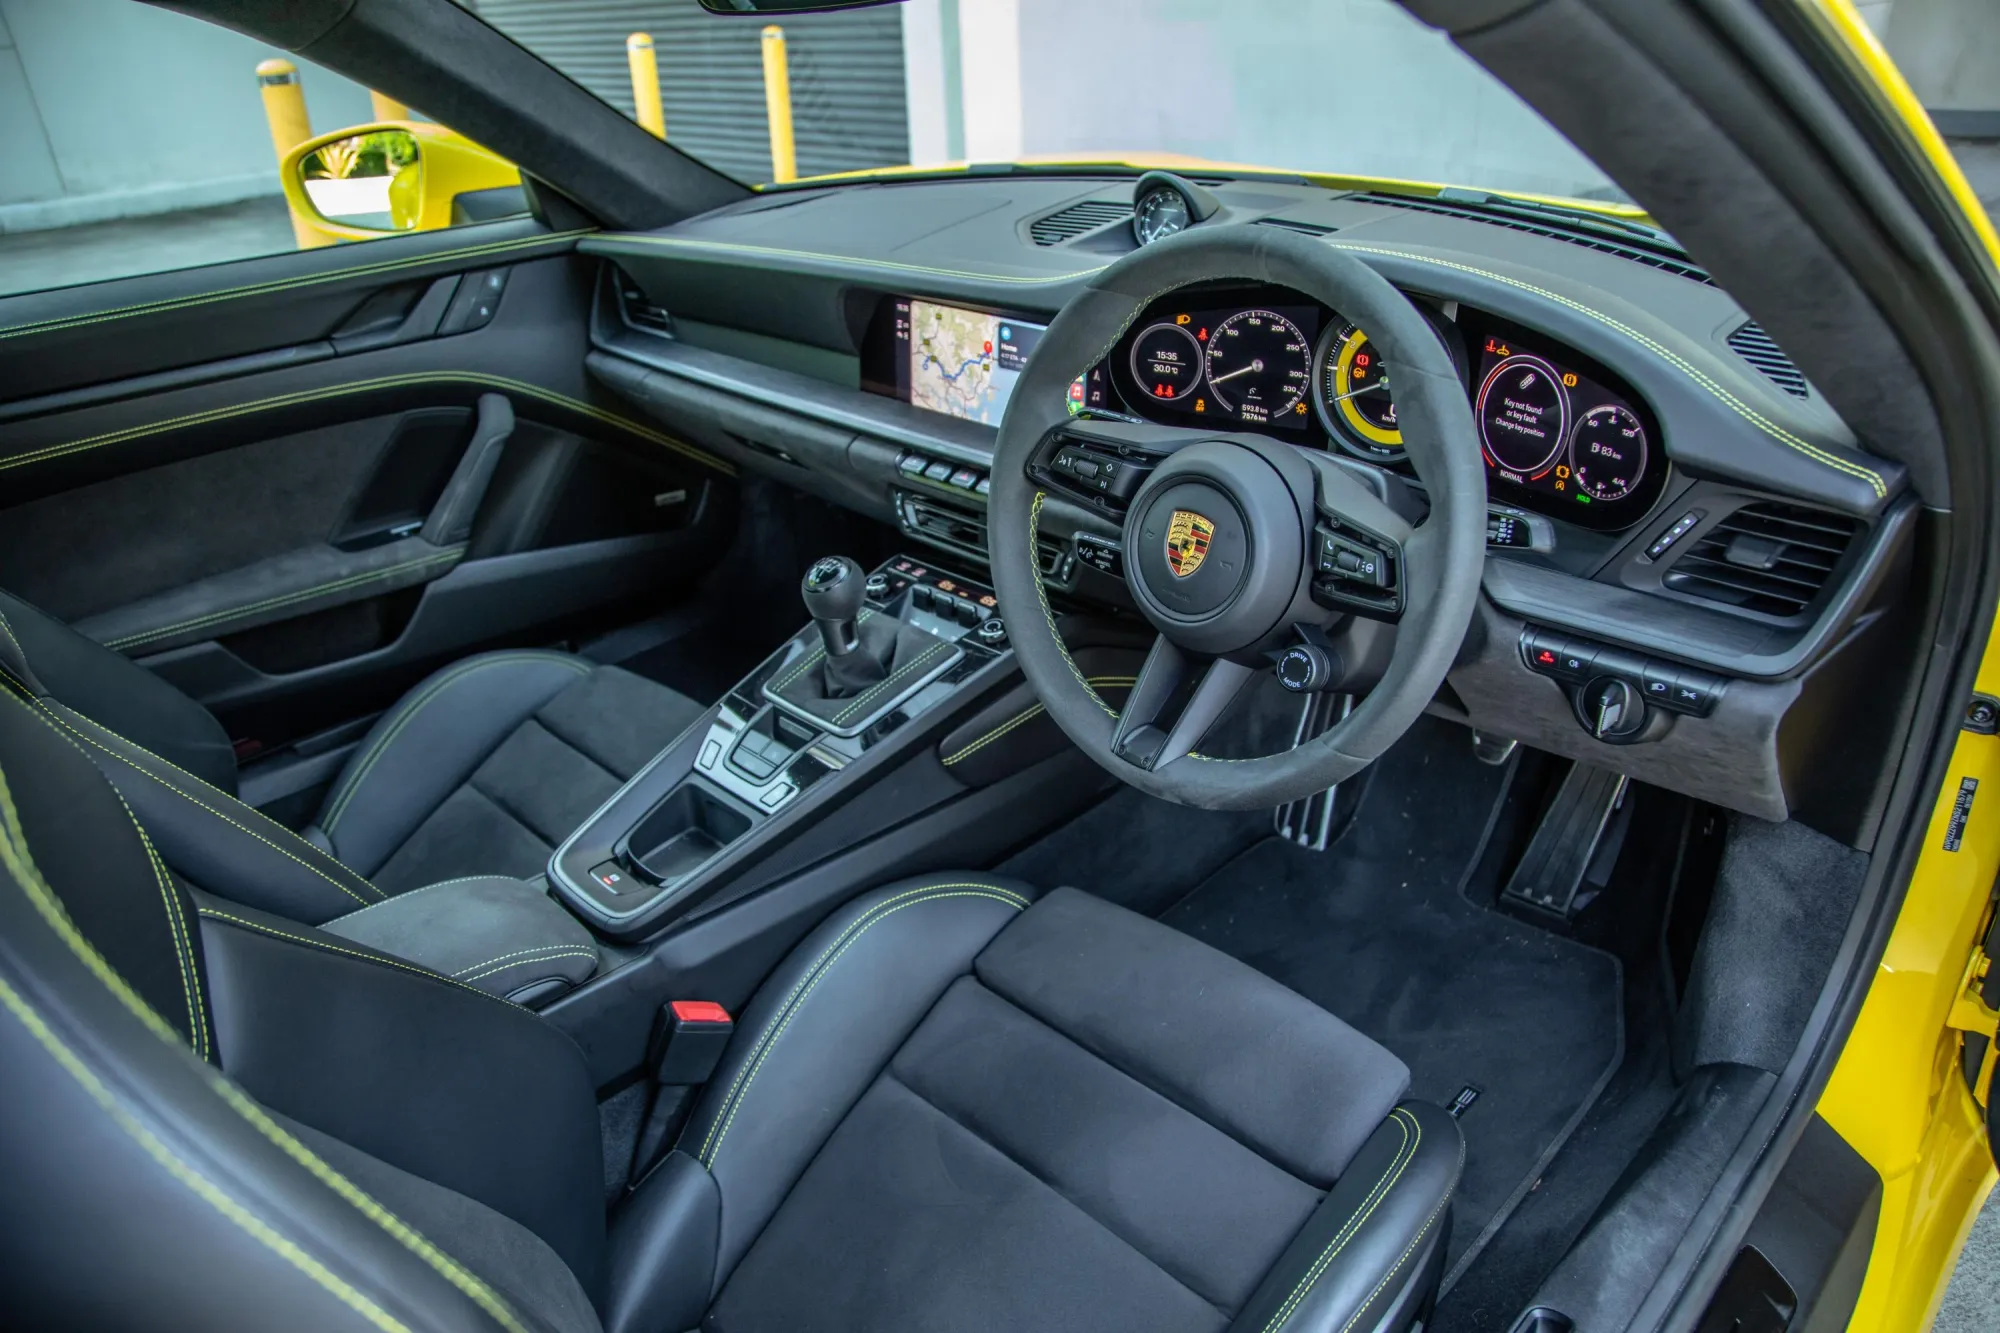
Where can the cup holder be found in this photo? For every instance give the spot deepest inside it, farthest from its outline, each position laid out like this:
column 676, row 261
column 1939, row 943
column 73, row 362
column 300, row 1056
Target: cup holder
column 681, row 834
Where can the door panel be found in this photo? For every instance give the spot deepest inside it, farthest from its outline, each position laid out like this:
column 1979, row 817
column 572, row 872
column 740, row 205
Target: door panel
column 247, row 523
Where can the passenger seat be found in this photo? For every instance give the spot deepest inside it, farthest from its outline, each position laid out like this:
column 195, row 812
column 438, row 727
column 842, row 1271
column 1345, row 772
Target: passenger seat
column 475, row 775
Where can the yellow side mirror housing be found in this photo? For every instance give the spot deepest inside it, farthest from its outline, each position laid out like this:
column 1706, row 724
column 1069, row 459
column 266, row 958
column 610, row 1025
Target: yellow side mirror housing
column 392, row 176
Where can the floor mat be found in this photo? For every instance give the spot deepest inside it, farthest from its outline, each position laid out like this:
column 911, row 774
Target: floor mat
column 1376, row 930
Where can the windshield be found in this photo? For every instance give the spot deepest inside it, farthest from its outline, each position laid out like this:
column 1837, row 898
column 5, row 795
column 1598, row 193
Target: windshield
column 1340, row 87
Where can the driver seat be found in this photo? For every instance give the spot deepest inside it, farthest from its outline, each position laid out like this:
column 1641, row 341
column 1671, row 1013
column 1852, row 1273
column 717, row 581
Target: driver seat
column 952, row 1107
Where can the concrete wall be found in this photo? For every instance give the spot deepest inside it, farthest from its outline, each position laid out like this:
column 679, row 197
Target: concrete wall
column 1324, row 85
column 112, row 108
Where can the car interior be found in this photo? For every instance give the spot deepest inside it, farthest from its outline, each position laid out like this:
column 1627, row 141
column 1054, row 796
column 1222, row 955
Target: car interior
column 956, row 751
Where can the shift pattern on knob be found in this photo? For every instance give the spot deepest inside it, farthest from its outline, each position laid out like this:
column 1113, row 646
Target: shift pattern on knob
column 833, row 590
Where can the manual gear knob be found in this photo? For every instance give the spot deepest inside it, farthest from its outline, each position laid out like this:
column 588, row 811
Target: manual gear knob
column 833, row 590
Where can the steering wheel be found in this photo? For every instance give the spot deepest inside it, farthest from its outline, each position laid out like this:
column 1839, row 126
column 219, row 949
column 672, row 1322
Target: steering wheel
column 1234, row 544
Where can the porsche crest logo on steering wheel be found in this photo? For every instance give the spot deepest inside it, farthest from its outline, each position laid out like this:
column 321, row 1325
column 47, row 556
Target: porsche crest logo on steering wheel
column 1187, row 542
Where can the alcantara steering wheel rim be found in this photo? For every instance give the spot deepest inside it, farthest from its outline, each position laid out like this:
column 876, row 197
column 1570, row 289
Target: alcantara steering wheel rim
column 1442, row 558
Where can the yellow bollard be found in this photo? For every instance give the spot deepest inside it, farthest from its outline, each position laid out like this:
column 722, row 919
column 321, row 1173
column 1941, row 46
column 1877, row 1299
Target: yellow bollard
column 285, row 108
column 385, row 107
column 645, row 83
column 778, row 106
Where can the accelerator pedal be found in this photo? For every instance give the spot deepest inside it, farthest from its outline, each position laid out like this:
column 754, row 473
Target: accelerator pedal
column 1309, row 822
column 1568, row 841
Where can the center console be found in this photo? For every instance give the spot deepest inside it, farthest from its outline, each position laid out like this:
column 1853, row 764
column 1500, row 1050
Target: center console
column 882, row 651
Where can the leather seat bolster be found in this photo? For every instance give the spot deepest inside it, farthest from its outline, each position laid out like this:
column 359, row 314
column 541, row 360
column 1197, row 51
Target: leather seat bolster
column 1242, row 1052
column 1359, row 1256
column 662, row 1251
column 213, row 840
column 428, row 1074
column 822, row 1027
column 421, row 750
column 505, row 936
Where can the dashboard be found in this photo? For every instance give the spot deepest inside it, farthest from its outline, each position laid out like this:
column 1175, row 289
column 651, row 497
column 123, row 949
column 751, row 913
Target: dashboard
column 1559, row 434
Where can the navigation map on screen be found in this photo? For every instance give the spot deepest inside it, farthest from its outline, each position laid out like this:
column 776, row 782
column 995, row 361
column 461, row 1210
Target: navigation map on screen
column 962, row 362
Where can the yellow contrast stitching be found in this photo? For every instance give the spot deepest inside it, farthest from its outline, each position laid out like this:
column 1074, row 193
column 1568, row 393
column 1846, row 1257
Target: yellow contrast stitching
column 1042, row 596
column 1721, row 394
column 137, row 768
column 675, row 242
column 11, row 639
column 519, row 953
column 410, row 893
column 203, row 1188
column 815, row 655
column 176, row 923
column 283, row 599
column 381, row 747
column 772, row 1030
column 1032, row 711
column 894, row 676
column 304, row 396
column 287, row 284
column 1406, row 1152
column 214, row 915
column 15, row 856
column 1408, row 1250
column 523, row 962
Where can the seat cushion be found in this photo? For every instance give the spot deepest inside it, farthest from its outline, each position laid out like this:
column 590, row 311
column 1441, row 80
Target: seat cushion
column 489, row 763
column 1098, row 1124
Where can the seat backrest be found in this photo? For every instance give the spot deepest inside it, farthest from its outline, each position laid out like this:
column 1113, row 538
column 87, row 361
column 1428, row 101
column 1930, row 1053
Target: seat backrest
column 48, row 657
column 213, row 1117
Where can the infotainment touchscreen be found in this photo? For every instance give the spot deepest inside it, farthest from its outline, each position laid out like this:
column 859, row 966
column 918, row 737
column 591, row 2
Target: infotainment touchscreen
column 960, row 362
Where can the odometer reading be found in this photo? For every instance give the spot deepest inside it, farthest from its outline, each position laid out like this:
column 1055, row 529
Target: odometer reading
column 1523, row 417
column 1259, row 366
column 1607, row 452
column 1166, row 361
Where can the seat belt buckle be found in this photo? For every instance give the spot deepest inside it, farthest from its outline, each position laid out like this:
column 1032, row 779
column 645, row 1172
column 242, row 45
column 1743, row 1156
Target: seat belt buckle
column 689, row 1040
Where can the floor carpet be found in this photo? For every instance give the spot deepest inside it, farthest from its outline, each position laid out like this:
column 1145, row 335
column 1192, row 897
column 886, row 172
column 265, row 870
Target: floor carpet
column 1377, row 930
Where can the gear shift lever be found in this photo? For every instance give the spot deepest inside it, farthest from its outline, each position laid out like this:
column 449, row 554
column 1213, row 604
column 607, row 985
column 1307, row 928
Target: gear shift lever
column 833, row 590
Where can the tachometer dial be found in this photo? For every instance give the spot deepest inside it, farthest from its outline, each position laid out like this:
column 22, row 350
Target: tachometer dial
column 1354, row 392
column 1259, row 365
column 1523, row 417
column 1166, row 361
column 1161, row 213
column 1607, row 452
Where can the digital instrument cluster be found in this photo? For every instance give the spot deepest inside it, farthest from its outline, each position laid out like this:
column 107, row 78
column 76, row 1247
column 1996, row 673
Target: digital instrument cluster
column 1557, row 434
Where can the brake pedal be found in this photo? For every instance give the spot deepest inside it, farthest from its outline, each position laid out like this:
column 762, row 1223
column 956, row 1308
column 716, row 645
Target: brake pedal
column 1309, row 821
column 1566, row 843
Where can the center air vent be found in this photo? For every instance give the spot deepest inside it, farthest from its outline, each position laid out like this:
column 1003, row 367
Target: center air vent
column 1767, row 557
column 1077, row 219
column 1756, row 346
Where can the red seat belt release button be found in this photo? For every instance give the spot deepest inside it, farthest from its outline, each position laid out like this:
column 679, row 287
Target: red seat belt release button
column 692, row 1036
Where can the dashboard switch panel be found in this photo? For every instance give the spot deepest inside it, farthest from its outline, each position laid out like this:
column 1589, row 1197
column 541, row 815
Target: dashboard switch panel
column 1584, row 663
column 1664, row 542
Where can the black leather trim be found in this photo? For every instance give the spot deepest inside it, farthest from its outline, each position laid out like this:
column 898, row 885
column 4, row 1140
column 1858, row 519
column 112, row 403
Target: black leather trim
column 504, row 936
column 429, row 1075
column 1378, row 1229
column 663, row 1246
column 215, row 841
column 823, row 1025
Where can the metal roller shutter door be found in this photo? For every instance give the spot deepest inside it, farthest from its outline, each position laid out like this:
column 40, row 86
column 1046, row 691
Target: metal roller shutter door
column 848, row 108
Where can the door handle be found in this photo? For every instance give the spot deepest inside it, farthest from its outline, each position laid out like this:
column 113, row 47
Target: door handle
column 450, row 520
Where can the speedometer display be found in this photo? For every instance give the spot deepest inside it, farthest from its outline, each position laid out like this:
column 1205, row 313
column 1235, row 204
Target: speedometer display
column 1607, row 452
column 1259, row 366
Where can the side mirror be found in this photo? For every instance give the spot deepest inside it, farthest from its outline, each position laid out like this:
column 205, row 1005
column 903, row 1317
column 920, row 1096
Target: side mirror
column 372, row 180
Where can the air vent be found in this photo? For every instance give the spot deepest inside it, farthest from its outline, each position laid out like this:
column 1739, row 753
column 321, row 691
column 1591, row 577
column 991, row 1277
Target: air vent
column 1636, row 252
column 1307, row 228
column 1755, row 346
column 1770, row 558
column 1077, row 219
column 639, row 312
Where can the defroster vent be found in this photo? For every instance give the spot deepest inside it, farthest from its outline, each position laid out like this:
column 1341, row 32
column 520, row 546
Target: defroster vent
column 1756, row 346
column 1771, row 558
column 1077, row 219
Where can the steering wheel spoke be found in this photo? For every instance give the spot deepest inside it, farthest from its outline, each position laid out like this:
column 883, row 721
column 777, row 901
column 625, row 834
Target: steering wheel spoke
column 1143, row 737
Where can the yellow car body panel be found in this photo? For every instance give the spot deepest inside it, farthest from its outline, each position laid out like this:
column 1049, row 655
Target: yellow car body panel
column 1897, row 1095
column 450, row 165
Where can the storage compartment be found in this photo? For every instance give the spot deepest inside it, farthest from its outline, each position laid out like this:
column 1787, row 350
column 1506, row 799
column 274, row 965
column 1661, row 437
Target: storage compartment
column 679, row 835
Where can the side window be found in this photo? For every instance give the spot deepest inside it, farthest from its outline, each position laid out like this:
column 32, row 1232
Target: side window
column 137, row 140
